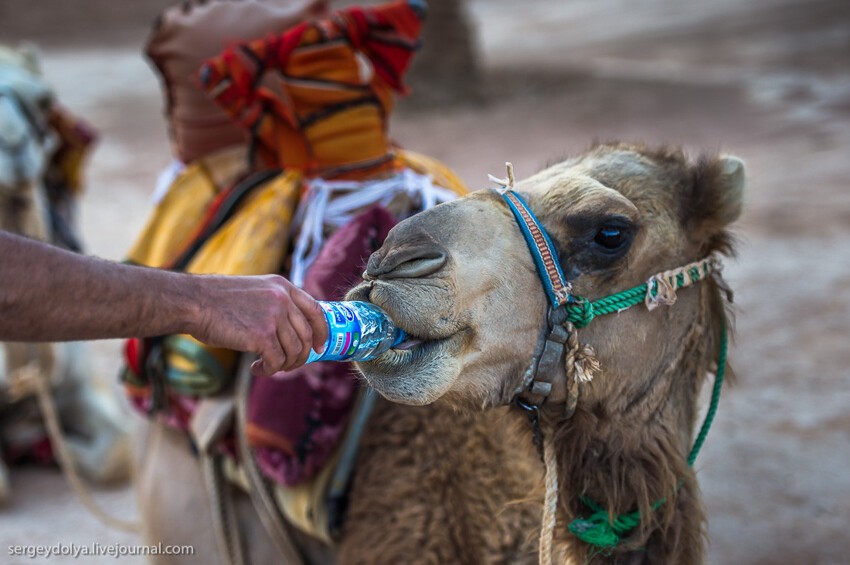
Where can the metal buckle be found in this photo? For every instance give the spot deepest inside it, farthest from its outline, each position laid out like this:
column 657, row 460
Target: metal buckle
column 533, row 413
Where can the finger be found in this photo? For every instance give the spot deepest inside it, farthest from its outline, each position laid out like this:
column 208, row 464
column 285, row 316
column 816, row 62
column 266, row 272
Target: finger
column 257, row 369
column 273, row 359
column 289, row 342
column 315, row 317
column 305, row 335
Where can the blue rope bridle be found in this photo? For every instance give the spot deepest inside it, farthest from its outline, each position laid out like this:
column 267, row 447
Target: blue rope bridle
column 545, row 256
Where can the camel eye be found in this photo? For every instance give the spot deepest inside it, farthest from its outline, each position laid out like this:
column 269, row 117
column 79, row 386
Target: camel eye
column 611, row 238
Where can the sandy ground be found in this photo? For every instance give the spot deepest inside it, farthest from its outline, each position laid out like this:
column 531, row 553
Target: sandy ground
column 766, row 80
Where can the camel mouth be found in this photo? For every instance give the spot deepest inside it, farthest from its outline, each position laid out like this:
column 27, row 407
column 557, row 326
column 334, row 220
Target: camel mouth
column 408, row 344
column 422, row 368
column 414, row 349
column 417, row 374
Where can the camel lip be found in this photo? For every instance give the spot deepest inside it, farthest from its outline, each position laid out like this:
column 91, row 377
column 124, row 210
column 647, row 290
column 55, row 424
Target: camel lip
column 397, row 358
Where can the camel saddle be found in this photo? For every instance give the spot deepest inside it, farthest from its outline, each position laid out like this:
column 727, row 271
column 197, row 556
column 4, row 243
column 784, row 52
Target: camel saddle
column 316, row 99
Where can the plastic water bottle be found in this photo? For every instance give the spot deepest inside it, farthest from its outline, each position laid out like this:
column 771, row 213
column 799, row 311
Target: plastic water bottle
column 357, row 331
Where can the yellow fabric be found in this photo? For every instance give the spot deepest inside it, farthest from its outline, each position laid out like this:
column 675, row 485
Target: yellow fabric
column 72, row 166
column 253, row 242
column 255, row 239
column 178, row 215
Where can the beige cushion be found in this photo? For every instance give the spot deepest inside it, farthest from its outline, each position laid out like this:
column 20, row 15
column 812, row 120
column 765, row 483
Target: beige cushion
column 187, row 34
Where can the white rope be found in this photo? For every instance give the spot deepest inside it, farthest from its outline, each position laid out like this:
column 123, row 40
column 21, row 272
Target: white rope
column 550, row 503
column 664, row 284
column 506, row 183
column 332, row 204
column 30, row 379
column 166, row 178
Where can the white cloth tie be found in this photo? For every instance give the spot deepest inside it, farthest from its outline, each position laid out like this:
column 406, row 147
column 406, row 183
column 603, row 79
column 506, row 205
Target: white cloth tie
column 317, row 210
column 166, row 178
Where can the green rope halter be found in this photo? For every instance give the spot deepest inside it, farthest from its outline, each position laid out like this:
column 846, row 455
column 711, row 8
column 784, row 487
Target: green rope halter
column 581, row 312
column 598, row 529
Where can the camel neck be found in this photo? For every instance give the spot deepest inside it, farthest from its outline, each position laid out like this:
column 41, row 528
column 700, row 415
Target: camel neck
column 623, row 470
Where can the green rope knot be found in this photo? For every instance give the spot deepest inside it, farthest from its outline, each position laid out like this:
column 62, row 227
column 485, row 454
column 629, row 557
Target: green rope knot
column 581, row 313
column 600, row 532
column 596, row 531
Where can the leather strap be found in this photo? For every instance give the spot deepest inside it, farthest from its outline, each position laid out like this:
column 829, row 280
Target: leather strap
column 212, row 421
column 228, row 537
column 260, row 491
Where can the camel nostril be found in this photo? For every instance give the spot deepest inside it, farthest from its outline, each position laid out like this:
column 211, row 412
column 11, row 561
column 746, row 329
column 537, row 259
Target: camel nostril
column 405, row 263
column 417, row 267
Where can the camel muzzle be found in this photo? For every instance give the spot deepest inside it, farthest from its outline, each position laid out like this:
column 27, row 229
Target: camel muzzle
column 406, row 256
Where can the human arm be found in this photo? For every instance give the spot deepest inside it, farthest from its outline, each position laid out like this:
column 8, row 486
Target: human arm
column 48, row 294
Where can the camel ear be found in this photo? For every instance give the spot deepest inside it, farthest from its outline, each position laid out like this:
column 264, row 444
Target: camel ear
column 718, row 196
column 31, row 55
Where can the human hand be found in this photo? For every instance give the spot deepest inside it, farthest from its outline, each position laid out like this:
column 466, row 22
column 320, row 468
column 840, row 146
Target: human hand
column 266, row 315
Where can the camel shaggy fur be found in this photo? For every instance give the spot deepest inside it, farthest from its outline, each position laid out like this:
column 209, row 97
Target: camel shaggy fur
column 447, row 472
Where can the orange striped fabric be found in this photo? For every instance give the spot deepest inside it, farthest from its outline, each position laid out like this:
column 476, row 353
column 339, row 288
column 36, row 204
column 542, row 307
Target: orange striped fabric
column 317, row 97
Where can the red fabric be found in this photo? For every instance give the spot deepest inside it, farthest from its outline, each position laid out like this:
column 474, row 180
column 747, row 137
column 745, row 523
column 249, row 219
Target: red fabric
column 39, row 451
column 290, row 120
column 296, row 419
column 398, row 22
column 184, row 36
column 133, row 354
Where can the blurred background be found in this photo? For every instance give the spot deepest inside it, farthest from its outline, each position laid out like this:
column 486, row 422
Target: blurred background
column 529, row 82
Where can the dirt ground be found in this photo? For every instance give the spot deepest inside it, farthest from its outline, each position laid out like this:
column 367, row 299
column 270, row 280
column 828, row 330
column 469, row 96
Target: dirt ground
column 767, row 80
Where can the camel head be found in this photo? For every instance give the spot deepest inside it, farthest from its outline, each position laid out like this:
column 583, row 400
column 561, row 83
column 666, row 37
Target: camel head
column 459, row 278
column 25, row 99
column 26, row 142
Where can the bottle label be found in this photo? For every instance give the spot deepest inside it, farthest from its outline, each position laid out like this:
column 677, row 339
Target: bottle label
column 344, row 332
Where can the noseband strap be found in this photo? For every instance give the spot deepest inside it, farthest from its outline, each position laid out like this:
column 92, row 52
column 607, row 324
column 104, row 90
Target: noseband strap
column 544, row 253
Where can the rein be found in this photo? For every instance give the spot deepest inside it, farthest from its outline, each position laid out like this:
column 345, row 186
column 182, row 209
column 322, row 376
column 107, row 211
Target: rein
column 566, row 313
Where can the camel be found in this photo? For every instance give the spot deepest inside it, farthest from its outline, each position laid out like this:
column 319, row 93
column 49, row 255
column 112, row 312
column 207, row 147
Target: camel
column 617, row 214
column 447, row 470
column 97, row 440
